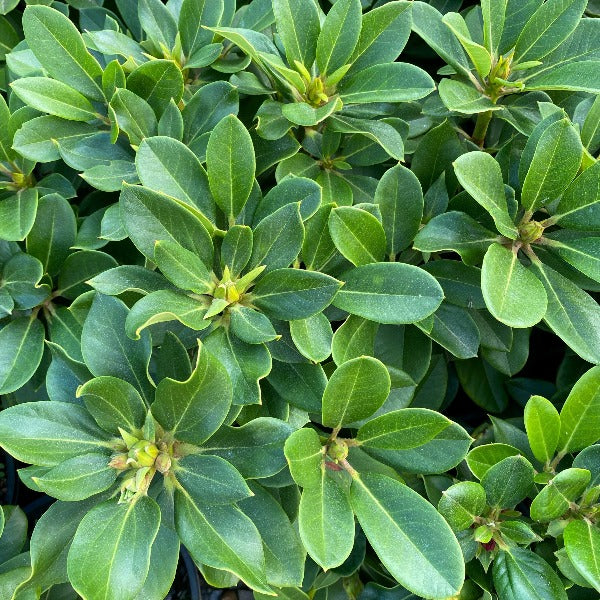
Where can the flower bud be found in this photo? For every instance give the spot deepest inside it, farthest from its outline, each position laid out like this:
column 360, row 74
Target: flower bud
column 119, row 461
column 144, row 459
column 232, row 295
column 529, row 232
column 338, row 450
column 162, row 463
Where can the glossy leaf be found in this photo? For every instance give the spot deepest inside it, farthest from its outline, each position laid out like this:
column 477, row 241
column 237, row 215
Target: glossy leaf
column 580, row 414
column 355, row 391
column 512, row 293
column 389, row 293
column 231, row 165
column 399, row 524
column 542, row 424
column 193, row 410
column 110, row 553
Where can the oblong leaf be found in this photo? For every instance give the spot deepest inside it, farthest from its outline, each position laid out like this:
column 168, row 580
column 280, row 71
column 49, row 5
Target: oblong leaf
column 110, row 553
column 512, row 293
column 400, row 524
column 393, row 293
column 355, row 391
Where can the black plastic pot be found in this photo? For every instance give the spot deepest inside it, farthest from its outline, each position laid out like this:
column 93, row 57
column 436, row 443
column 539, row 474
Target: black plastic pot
column 10, row 479
column 187, row 584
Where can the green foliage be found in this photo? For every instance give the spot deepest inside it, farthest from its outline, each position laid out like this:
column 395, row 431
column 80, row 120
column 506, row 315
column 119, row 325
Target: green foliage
column 318, row 309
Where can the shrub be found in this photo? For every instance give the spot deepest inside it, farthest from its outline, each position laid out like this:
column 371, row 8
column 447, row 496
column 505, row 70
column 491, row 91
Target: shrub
column 266, row 269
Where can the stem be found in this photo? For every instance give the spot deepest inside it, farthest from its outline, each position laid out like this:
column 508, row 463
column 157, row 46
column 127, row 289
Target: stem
column 348, row 467
column 481, row 127
column 557, row 460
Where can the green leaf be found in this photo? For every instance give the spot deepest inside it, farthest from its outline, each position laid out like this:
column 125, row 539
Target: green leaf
column 382, row 132
column 580, row 415
column 79, row 268
column 482, row 458
column 400, row 200
column 78, row 478
column 207, row 107
column 50, row 542
column 48, row 433
column 453, row 328
column 354, row 338
column 480, row 56
column 293, row 294
column 302, row 113
column 402, row 429
column 520, row 573
column 385, row 31
column 552, row 23
column 461, row 504
column 245, row 363
column 193, row 410
column 304, row 453
column 17, row 214
column 572, row 314
column 254, row 449
column 251, row 326
column 557, row 496
column 508, row 481
column 236, row 248
column 392, row 82
column 133, row 115
column 168, row 166
column 480, row 175
column 494, row 15
column 290, row 189
column 284, row 554
column 108, row 351
column 555, row 163
column 339, row 35
column 582, row 252
column 511, row 292
column 582, row 541
column 542, row 424
column 54, row 97
column 277, row 239
column 464, row 98
column 182, row 267
column 355, row 391
column 113, row 282
column 110, row 553
column 158, row 82
column 394, row 293
column 35, row 139
column 53, row 232
column 222, row 537
column 299, row 26
column 210, row 480
column 300, row 384
column 231, row 165
column 312, row 337
column 21, row 277
column 192, row 17
column 458, row 232
column 400, row 525
column 21, row 349
column 427, row 23
column 150, row 216
column 60, row 49
column 357, row 234
column 326, row 521
column 318, row 248
column 113, row 403
column 158, row 22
